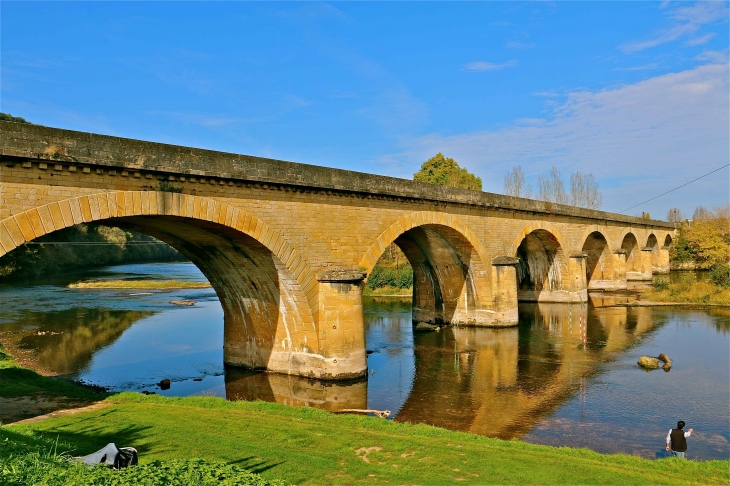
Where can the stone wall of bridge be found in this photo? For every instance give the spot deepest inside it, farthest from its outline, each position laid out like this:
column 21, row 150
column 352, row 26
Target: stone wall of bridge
column 287, row 247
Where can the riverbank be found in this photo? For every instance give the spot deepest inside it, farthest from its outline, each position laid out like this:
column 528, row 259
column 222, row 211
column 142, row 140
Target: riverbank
column 298, row 445
column 686, row 291
column 310, row 446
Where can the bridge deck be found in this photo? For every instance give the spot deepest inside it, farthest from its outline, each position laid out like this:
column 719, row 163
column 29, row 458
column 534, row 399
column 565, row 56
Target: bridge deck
column 20, row 142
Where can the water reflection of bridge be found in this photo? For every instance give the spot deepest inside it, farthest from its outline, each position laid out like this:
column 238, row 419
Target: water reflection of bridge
column 494, row 382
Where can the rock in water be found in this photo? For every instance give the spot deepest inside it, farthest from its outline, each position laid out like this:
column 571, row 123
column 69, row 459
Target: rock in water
column 186, row 303
column 648, row 362
column 667, row 362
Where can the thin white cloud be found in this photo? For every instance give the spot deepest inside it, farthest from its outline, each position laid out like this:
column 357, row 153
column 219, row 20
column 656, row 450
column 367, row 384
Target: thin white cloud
column 716, row 57
column 547, row 94
column 521, row 45
column 202, row 119
column 698, row 41
column 645, row 67
column 481, row 66
column 662, row 132
column 688, row 20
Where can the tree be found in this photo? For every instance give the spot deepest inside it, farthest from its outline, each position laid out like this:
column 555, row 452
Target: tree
column 515, row 184
column 707, row 240
column 584, row 191
column 9, row 117
column 446, row 172
column 700, row 213
column 551, row 188
column 674, row 215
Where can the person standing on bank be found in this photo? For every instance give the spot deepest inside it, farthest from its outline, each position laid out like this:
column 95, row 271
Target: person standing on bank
column 677, row 438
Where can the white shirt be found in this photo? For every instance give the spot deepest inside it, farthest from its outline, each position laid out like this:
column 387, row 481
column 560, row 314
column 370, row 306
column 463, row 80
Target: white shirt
column 669, row 435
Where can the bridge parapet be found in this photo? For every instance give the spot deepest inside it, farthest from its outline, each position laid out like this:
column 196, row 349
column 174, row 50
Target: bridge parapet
column 26, row 142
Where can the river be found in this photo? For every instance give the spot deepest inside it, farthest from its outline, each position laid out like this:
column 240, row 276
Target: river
column 566, row 376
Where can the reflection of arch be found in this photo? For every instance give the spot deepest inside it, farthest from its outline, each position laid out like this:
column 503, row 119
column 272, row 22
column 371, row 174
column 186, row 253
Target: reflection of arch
column 543, row 264
column 450, row 277
column 599, row 259
column 630, row 246
column 266, row 288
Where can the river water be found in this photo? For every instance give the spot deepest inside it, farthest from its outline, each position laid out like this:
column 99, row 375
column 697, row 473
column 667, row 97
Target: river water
column 566, row 376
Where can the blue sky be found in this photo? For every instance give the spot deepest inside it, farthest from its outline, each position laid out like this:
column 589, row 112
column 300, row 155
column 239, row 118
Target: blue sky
column 634, row 92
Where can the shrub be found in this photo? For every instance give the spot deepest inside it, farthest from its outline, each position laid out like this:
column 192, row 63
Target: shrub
column 720, row 275
column 390, row 277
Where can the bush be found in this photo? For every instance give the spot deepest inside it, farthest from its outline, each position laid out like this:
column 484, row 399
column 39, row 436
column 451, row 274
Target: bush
column 390, row 277
column 720, row 275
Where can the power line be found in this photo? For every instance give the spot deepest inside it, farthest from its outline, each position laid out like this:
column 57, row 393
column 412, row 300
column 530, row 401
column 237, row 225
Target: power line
column 678, row 187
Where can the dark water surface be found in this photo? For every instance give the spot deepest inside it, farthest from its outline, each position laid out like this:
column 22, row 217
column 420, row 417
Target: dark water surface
column 567, row 375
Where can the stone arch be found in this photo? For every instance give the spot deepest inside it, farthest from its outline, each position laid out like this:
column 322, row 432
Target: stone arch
column 599, row 259
column 653, row 244
column 410, row 221
column 632, row 252
column 668, row 241
column 450, row 273
column 550, row 228
column 543, row 267
column 270, row 314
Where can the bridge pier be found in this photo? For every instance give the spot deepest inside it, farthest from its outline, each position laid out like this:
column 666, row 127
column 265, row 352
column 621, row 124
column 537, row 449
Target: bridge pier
column 661, row 265
column 646, row 267
column 342, row 329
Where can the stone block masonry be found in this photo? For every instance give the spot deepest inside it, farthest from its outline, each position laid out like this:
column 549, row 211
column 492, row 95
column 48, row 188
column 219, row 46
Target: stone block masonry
column 288, row 246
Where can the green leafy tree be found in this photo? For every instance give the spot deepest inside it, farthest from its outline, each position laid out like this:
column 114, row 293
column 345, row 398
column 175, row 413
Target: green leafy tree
column 9, row 117
column 445, row 171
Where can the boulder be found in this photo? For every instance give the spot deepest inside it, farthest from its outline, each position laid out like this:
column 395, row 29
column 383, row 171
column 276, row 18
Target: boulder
column 425, row 326
column 667, row 362
column 648, row 362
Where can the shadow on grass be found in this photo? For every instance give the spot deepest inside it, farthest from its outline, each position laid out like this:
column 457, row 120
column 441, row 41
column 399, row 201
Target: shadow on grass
column 75, row 443
column 26, row 394
column 255, row 467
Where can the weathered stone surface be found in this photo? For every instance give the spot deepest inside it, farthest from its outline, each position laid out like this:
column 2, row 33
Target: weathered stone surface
column 648, row 362
column 286, row 246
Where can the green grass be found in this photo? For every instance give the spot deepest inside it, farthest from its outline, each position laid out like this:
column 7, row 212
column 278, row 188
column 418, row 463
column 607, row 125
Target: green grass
column 687, row 291
column 16, row 382
column 27, row 458
column 389, row 291
column 310, row 446
column 138, row 284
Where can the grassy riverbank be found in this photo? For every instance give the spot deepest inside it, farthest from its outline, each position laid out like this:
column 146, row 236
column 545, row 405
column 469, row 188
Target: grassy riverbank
column 310, row 446
column 687, row 291
column 388, row 291
column 139, row 284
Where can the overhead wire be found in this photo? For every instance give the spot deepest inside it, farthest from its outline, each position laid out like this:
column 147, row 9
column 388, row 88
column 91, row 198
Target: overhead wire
column 678, row 187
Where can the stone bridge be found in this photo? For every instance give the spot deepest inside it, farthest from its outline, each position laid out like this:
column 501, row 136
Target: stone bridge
column 287, row 247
